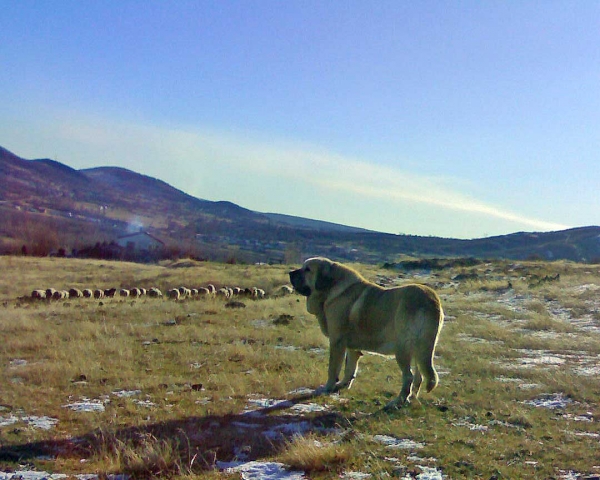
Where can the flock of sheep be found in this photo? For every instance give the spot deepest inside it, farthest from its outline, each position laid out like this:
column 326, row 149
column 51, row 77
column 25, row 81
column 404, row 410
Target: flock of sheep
column 179, row 293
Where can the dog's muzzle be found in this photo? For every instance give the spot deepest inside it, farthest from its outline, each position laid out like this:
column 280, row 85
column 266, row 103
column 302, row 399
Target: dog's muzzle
column 297, row 280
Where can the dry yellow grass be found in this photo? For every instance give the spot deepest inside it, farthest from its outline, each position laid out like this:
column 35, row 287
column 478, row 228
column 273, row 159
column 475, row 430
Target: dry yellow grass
column 175, row 387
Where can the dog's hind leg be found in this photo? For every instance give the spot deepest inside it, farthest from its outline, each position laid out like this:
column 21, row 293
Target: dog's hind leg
column 352, row 358
column 424, row 362
column 418, row 379
column 430, row 376
column 403, row 359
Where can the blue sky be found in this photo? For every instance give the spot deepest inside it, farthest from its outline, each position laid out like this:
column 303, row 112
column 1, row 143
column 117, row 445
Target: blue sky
column 458, row 119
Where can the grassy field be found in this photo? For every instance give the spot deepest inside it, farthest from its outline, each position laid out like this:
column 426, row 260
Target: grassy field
column 196, row 389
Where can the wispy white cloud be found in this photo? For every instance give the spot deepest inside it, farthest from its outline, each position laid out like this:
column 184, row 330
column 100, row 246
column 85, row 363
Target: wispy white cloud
column 357, row 177
column 198, row 160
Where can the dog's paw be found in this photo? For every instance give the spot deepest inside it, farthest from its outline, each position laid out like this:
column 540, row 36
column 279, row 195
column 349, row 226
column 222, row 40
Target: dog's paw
column 346, row 384
column 327, row 388
column 395, row 405
column 322, row 390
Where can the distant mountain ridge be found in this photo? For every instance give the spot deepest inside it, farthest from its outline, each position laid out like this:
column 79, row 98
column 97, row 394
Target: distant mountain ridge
column 301, row 222
column 104, row 202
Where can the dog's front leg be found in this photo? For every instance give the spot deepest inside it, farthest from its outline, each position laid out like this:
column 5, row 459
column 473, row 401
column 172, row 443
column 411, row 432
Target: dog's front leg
column 352, row 358
column 337, row 353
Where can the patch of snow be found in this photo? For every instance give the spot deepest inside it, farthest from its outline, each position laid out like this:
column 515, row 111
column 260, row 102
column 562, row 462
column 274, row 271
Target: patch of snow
column 589, row 368
column 44, row 423
column 585, row 417
column 500, row 423
column 427, row 473
column 287, row 348
column 465, row 337
column 30, row 475
column 471, row 426
column 547, row 360
column 33, row 475
column 355, row 475
column 588, row 287
column 586, row 434
column 317, row 351
column 570, row 475
column 18, row 362
column 126, row 393
column 110, row 476
column 302, row 391
column 416, row 459
column 260, row 403
column 310, row 408
column 541, row 357
column 509, row 380
column 552, row 401
column 261, row 470
column 544, row 334
column 6, row 421
column 528, row 386
column 261, row 323
column 145, row 403
column 403, row 443
column 86, row 406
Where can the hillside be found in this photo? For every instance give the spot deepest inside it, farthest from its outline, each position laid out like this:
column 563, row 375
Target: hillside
column 46, row 205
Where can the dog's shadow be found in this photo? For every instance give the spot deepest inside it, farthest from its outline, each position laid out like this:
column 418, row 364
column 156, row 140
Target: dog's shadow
column 197, row 442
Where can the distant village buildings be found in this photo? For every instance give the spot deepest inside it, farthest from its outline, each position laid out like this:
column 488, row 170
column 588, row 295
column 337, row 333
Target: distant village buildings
column 140, row 246
column 140, row 241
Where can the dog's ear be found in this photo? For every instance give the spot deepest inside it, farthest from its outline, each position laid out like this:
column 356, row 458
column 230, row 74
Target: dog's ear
column 324, row 279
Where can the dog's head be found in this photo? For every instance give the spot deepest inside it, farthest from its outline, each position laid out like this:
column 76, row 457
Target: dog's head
column 316, row 275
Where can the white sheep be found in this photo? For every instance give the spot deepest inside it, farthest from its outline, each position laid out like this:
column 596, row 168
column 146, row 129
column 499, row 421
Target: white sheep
column 135, row 292
column 223, row 292
column 110, row 292
column 203, row 291
column 75, row 293
column 286, row 290
column 38, row 294
column 154, row 293
column 184, row 292
column 98, row 293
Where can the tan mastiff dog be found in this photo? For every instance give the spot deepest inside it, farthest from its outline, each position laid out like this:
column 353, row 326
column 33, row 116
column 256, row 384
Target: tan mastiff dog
column 359, row 315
